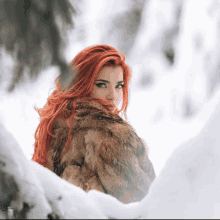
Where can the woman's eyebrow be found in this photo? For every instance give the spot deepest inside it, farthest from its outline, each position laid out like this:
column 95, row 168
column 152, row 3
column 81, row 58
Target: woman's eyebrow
column 102, row 80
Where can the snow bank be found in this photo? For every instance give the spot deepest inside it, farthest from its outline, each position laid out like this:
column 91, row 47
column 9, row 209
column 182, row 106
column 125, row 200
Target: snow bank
column 188, row 185
column 19, row 184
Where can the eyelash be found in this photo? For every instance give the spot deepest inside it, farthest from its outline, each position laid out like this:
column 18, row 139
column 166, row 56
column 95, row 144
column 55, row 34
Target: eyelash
column 105, row 84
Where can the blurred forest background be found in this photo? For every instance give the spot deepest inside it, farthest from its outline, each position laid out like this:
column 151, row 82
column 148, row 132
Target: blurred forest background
column 172, row 47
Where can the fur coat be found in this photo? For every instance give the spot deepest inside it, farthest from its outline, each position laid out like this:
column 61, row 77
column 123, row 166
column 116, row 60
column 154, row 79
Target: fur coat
column 105, row 153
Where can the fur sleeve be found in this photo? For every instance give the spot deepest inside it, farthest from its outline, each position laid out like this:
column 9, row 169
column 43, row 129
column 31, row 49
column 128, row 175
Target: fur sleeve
column 145, row 162
column 117, row 167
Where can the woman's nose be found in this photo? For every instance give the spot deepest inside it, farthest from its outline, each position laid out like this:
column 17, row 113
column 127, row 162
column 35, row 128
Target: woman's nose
column 111, row 95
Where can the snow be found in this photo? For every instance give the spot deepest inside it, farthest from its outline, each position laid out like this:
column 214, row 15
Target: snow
column 23, row 184
column 184, row 151
column 188, row 185
column 67, row 200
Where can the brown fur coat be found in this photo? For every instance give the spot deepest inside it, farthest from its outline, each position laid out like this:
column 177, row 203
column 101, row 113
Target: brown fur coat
column 105, row 154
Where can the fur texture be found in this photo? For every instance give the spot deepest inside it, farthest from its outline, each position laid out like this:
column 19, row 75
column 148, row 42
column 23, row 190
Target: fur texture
column 105, row 153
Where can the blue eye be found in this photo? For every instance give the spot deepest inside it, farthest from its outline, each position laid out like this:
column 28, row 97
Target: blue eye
column 100, row 85
column 122, row 86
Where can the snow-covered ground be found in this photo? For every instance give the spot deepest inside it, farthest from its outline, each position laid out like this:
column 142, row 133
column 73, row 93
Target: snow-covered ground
column 184, row 151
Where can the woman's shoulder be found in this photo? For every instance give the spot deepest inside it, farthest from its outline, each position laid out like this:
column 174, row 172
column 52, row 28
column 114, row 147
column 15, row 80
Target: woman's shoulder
column 98, row 121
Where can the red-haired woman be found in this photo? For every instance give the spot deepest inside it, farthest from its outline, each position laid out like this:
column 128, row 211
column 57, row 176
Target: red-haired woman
column 81, row 136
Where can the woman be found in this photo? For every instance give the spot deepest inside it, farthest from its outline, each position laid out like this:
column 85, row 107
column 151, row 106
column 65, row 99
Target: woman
column 81, row 136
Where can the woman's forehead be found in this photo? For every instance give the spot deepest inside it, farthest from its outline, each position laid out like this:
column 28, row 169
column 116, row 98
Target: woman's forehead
column 111, row 73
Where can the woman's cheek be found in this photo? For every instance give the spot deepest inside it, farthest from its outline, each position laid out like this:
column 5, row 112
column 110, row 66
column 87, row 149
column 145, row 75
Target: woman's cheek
column 101, row 93
column 120, row 96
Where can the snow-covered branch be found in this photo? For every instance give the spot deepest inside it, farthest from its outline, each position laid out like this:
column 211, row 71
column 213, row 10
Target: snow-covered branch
column 20, row 188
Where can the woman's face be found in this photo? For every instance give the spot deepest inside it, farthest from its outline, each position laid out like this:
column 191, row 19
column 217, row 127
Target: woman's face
column 109, row 85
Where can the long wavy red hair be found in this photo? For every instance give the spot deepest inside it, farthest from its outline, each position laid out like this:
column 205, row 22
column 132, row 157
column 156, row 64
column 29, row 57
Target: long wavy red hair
column 86, row 66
